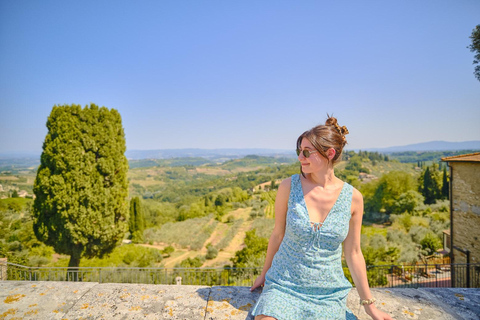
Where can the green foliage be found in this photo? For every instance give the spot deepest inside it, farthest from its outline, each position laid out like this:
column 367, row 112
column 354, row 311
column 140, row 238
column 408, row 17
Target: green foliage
column 167, row 251
column 198, row 230
column 15, row 194
column 17, row 240
column 429, row 187
column 263, row 227
column 136, row 221
column 254, row 251
column 258, row 210
column 445, row 185
column 356, row 164
column 231, row 232
column 126, row 256
column 408, row 250
column 15, row 204
column 158, row 213
column 431, row 243
column 81, row 186
column 407, row 202
column 390, row 193
column 433, row 184
column 420, row 157
column 196, row 262
column 212, row 252
column 253, row 161
column 475, row 47
column 171, row 162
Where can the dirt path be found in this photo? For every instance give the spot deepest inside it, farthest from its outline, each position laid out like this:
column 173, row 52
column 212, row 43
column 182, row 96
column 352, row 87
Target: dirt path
column 170, row 262
column 235, row 245
column 215, row 237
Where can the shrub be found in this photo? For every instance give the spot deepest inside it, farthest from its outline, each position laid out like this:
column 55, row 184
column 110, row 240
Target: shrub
column 212, row 252
column 167, row 251
column 430, row 243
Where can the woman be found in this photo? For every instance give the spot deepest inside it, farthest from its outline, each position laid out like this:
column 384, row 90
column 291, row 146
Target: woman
column 315, row 212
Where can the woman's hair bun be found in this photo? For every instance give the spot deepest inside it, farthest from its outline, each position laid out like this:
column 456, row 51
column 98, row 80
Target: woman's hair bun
column 332, row 121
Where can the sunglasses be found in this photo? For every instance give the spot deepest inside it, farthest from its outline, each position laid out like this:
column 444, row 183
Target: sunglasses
column 306, row 153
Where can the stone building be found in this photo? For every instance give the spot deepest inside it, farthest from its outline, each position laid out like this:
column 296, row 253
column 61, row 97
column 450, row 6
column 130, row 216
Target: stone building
column 464, row 217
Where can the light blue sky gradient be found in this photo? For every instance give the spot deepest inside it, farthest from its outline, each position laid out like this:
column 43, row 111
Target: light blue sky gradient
column 242, row 74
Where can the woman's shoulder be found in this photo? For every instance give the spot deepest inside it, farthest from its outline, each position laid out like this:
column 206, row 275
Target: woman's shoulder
column 286, row 183
column 356, row 194
column 357, row 201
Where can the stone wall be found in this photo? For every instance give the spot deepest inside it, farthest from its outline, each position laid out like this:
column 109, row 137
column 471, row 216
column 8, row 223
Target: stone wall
column 3, row 269
column 465, row 215
column 76, row 300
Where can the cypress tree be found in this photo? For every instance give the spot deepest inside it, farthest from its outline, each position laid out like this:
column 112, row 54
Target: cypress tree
column 81, row 185
column 445, row 186
column 431, row 190
column 137, row 220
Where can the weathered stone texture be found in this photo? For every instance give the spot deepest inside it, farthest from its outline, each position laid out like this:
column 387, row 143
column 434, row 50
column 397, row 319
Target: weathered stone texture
column 466, row 210
column 3, row 269
column 77, row 300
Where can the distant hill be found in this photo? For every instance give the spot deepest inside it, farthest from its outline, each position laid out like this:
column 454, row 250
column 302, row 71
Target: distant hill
column 211, row 154
column 221, row 155
column 431, row 146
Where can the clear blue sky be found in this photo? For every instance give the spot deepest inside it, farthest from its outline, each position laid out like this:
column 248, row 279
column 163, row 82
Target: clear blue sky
column 242, row 74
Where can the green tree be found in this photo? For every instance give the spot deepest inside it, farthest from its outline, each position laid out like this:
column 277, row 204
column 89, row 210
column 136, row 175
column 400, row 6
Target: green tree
column 81, row 185
column 431, row 243
column 14, row 194
column 445, row 186
column 407, row 202
column 384, row 195
column 430, row 187
column 212, row 252
column 136, row 223
column 255, row 250
column 475, row 47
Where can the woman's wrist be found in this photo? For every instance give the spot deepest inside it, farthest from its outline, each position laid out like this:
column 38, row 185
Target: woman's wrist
column 367, row 301
column 369, row 308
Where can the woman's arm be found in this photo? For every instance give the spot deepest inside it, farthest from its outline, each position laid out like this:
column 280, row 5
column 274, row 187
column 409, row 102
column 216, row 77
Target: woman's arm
column 281, row 207
column 355, row 259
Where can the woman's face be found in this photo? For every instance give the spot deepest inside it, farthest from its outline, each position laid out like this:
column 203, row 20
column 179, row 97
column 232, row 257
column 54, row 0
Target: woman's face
column 315, row 162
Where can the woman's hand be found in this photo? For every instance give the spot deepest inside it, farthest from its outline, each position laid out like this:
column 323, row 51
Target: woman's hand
column 376, row 314
column 259, row 282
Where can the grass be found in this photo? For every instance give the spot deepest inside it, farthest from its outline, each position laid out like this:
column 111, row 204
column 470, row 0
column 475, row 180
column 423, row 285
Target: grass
column 16, row 204
column 369, row 231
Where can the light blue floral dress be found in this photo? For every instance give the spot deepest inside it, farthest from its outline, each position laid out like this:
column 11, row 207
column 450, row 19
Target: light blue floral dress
column 306, row 279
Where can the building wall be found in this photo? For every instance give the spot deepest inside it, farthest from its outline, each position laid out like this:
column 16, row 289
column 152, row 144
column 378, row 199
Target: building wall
column 466, row 214
column 466, row 209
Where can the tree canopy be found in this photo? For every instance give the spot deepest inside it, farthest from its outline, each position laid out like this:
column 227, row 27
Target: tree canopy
column 475, row 47
column 136, row 223
column 81, row 185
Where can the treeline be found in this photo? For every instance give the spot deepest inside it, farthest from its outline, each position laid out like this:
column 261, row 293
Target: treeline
column 426, row 156
column 171, row 162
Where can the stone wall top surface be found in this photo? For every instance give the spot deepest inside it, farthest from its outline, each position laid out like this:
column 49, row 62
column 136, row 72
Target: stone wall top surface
column 76, row 300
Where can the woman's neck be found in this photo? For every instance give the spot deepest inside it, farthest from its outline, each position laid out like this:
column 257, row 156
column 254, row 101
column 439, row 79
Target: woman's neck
column 323, row 179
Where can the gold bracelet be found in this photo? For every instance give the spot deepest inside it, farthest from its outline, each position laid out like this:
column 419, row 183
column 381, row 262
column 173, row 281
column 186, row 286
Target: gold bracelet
column 369, row 301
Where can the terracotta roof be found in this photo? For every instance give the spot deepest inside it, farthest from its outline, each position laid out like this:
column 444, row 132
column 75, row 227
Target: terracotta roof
column 471, row 157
